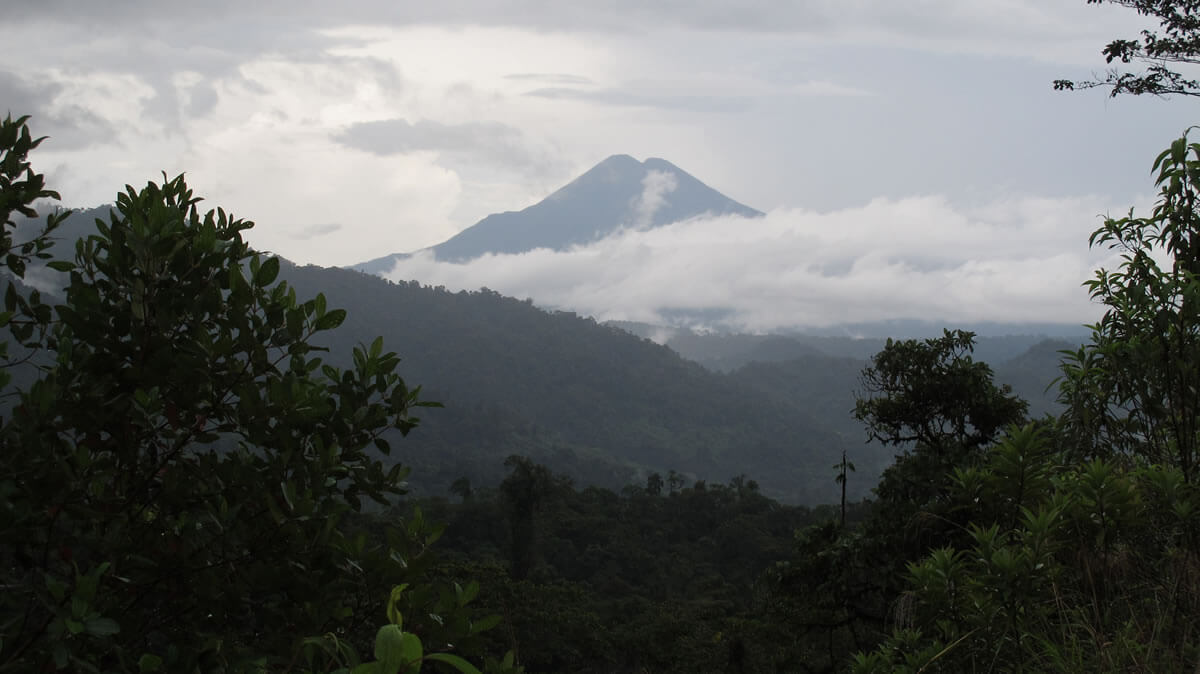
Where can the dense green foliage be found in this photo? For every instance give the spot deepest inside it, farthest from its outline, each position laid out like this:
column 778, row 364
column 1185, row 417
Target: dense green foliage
column 24, row 313
column 1079, row 549
column 1086, row 566
column 661, row 577
column 934, row 394
column 939, row 408
column 174, row 486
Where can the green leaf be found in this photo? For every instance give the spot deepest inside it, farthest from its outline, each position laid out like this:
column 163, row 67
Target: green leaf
column 393, row 613
column 267, row 273
column 57, row 588
column 454, row 661
column 149, row 663
column 395, row 648
column 468, row 593
column 331, row 320
column 383, row 446
column 485, row 624
column 61, row 656
column 60, row 265
column 101, row 627
column 412, row 651
column 237, row 282
column 289, row 494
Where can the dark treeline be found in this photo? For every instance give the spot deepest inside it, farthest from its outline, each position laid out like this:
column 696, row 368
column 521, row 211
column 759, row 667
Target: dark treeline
column 667, row 576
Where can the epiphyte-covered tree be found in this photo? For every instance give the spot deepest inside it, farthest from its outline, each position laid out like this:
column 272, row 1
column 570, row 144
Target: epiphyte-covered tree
column 1166, row 54
column 173, row 489
column 932, row 394
column 939, row 406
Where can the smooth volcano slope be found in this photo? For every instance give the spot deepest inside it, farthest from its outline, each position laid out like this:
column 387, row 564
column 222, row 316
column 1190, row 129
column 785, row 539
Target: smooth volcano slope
column 618, row 192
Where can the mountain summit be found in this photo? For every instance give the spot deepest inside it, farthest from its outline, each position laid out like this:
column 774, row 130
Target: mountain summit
column 619, row 192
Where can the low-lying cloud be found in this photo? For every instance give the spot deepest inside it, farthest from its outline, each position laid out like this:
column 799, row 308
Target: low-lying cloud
column 1019, row 260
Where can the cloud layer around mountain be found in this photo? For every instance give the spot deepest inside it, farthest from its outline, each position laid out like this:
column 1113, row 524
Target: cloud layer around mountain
column 1019, row 260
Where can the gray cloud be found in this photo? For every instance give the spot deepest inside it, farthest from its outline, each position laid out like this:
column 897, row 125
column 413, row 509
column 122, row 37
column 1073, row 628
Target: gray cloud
column 71, row 125
column 314, row 231
column 997, row 26
column 486, row 156
column 398, row 136
column 202, row 100
column 216, row 32
column 22, row 97
column 619, row 14
column 476, row 150
column 561, row 79
column 630, row 98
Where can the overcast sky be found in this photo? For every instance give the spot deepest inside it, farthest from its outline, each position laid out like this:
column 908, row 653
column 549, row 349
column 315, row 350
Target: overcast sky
column 912, row 156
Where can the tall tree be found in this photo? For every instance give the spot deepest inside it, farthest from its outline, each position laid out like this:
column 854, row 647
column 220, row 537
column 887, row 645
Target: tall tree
column 525, row 491
column 1133, row 388
column 934, row 394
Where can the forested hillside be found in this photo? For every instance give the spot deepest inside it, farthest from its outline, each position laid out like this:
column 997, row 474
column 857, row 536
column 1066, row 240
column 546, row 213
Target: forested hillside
column 726, row 352
column 592, row 401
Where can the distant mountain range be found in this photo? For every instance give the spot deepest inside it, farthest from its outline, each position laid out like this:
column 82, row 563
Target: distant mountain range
column 619, row 192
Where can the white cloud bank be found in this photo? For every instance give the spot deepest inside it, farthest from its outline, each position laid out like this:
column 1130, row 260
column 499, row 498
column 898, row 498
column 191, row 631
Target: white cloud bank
column 1019, row 260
